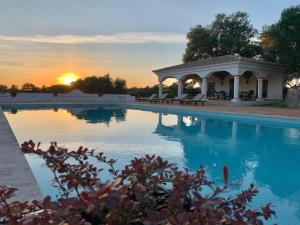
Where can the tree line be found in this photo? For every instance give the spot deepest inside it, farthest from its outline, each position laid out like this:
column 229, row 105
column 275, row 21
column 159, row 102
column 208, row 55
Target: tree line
column 93, row 85
column 100, row 85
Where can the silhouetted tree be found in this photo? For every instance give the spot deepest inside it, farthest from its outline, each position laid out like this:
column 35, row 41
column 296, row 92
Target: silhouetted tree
column 149, row 90
column 120, row 86
column 281, row 41
column 226, row 35
column 28, row 87
column 58, row 88
column 100, row 85
column 13, row 90
column 143, row 91
column 3, row 88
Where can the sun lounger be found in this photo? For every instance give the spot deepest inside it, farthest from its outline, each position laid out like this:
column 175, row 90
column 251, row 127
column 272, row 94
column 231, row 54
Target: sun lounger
column 198, row 98
column 147, row 99
column 176, row 99
column 163, row 97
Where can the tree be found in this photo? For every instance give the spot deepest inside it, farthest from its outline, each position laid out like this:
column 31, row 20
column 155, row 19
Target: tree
column 281, row 41
column 95, row 85
column 3, row 88
column 28, row 87
column 58, row 88
column 226, row 35
column 105, row 84
column 143, row 91
column 120, row 86
column 13, row 90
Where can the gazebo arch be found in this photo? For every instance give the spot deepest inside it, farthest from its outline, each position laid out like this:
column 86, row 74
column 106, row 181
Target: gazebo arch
column 185, row 78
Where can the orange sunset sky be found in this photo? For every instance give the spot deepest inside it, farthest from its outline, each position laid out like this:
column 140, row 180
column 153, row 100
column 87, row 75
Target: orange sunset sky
column 40, row 40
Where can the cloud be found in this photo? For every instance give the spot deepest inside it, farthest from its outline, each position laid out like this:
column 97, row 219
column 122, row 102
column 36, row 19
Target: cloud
column 118, row 38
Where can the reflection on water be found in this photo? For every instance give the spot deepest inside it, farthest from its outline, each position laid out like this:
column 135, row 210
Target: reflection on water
column 266, row 155
column 99, row 116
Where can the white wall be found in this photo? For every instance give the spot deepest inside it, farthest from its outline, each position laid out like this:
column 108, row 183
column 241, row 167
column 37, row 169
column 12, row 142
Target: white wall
column 275, row 85
column 46, row 97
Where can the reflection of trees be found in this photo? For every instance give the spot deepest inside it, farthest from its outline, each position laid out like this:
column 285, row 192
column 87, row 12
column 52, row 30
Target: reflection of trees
column 13, row 111
column 99, row 115
column 265, row 151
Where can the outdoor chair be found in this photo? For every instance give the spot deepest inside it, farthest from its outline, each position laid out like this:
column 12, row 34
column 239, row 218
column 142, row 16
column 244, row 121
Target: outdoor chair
column 247, row 95
column 199, row 98
column 211, row 94
column 163, row 97
column 176, row 99
column 147, row 98
column 223, row 95
column 251, row 95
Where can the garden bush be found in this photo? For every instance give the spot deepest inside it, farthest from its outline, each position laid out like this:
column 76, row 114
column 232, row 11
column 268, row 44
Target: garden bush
column 148, row 191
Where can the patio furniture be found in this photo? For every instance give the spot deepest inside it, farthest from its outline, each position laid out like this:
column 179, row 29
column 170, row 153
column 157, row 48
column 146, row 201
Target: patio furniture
column 251, row 95
column 163, row 97
column 211, row 94
column 244, row 95
column 222, row 95
column 247, row 95
column 150, row 98
column 176, row 99
column 198, row 98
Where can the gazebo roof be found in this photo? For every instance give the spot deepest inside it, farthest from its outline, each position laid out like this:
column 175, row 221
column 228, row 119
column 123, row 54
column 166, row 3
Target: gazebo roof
column 217, row 60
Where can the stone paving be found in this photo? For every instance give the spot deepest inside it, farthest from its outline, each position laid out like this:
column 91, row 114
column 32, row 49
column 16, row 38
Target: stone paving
column 226, row 106
column 14, row 169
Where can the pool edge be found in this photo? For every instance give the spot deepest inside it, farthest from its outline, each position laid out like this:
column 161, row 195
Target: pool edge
column 14, row 168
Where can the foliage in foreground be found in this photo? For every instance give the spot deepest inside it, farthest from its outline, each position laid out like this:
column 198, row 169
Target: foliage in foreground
column 149, row 190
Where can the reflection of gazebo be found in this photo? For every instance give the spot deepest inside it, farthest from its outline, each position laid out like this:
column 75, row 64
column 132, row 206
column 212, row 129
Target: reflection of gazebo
column 204, row 145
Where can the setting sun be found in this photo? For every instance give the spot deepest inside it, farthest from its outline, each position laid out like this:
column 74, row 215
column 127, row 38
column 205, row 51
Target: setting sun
column 68, row 78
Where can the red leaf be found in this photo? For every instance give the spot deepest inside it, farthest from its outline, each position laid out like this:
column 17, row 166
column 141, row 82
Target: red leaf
column 86, row 198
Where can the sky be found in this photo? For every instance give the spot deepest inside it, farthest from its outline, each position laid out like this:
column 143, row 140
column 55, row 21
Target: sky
column 42, row 39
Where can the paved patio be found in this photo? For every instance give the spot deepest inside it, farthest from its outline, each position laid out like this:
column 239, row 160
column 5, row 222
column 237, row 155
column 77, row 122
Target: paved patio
column 226, row 106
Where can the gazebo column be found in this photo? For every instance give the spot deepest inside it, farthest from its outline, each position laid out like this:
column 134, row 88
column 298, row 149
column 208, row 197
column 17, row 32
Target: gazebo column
column 179, row 121
column 236, row 89
column 234, row 130
column 204, row 86
column 160, row 87
column 259, row 89
column 203, row 127
column 180, row 88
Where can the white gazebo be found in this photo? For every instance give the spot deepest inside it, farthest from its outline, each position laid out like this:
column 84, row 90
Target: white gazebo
column 230, row 74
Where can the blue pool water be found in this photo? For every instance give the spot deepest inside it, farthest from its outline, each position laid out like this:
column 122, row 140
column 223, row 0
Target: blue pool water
column 256, row 150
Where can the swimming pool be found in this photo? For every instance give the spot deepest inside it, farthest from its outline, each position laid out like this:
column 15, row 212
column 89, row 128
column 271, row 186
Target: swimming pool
column 256, row 149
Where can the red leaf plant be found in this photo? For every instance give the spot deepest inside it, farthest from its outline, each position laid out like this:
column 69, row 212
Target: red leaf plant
column 148, row 191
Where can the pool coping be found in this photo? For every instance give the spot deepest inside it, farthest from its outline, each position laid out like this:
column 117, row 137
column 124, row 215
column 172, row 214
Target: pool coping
column 14, row 168
column 174, row 107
